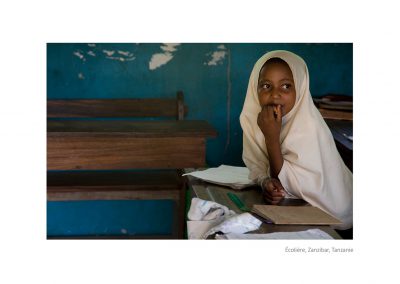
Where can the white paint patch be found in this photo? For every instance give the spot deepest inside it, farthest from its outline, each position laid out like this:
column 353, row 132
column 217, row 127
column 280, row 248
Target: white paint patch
column 127, row 56
column 91, row 53
column 115, row 58
column 169, row 47
column 159, row 59
column 124, row 231
column 120, row 58
column 91, row 44
column 79, row 54
column 221, row 46
column 124, row 53
column 217, row 58
column 109, row 52
column 80, row 76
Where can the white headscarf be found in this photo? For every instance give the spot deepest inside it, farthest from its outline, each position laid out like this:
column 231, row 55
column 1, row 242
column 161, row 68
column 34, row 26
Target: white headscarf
column 312, row 167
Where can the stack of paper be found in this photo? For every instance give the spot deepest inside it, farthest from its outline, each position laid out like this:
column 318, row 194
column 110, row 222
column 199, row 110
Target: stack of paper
column 234, row 177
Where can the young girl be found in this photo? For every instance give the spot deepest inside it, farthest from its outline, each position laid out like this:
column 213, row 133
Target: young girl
column 287, row 145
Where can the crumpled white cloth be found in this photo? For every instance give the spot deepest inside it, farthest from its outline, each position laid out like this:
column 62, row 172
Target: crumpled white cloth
column 208, row 217
column 203, row 210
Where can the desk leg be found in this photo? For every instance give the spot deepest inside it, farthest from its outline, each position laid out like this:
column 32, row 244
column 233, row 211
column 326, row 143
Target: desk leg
column 178, row 227
column 181, row 208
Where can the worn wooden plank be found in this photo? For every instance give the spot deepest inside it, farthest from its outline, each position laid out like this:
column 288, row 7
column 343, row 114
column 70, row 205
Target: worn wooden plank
column 110, row 194
column 146, row 179
column 114, row 185
column 114, row 108
column 102, row 153
column 336, row 114
column 151, row 129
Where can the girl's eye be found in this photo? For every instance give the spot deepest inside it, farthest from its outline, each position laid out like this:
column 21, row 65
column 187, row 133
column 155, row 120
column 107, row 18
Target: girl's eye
column 265, row 86
column 286, row 86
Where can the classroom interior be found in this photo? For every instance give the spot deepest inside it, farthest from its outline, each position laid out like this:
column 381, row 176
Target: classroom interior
column 210, row 81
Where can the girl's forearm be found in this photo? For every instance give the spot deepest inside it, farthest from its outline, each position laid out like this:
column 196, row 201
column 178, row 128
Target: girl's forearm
column 275, row 157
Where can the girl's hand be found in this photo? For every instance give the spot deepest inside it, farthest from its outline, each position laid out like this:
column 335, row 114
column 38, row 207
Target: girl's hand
column 270, row 121
column 273, row 191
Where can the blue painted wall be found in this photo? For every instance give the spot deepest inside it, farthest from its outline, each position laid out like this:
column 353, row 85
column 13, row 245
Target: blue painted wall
column 213, row 77
column 109, row 217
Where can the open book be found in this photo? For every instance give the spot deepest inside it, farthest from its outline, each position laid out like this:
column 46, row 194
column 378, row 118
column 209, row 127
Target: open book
column 294, row 215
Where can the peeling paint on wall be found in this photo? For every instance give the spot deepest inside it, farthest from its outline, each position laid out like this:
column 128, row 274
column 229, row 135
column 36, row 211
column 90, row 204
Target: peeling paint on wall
column 79, row 54
column 125, row 53
column 169, row 47
column 128, row 55
column 119, row 55
column 120, row 58
column 109, row 52
column 217, row 56
column 160, row 59
column 80, row 76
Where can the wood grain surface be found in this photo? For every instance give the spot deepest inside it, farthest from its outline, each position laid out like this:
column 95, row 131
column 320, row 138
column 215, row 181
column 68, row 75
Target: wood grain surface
column 101, row 153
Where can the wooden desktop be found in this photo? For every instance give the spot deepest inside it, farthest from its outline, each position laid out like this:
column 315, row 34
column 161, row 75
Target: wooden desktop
column 249, row 196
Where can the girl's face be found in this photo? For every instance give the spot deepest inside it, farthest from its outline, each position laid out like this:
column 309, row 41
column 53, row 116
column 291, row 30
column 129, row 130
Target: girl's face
column 276, row 86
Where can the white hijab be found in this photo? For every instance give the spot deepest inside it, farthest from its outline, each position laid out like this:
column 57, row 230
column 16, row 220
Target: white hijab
column 312, row 167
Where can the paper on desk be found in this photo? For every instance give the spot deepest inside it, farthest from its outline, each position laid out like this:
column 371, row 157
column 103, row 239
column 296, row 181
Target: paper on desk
column 208, row 217
column 203, row 215
column 197, row 229
column 311, row 234
column 234, row 177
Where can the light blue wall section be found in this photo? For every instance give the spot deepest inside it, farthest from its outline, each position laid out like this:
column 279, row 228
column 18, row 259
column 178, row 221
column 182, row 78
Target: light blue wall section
column 213, row 77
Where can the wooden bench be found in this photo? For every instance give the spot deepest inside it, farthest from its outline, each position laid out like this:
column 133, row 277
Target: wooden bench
column 172, row 108
column 151, row 153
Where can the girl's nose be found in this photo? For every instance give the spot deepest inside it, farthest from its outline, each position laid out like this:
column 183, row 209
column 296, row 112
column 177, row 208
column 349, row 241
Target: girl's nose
column 276, row 95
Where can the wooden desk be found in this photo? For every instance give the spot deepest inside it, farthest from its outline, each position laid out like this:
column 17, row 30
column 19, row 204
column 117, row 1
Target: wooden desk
column 104, row 145
column 249, row 196
column 164, row 146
